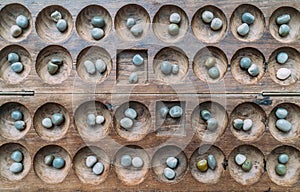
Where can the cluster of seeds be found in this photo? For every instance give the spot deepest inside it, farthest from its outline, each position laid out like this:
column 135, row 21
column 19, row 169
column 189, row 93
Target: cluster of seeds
column 280, row 168
column 137, row 60
column 204, row 164
column 17, row 165
column 135, row 29
column 92, row 162
column 56, row 162
column 127, row 121
column 282, row 124
column 173, row 28
column 91, row 68
column 127, row 161
column 17, row 116
column 283, row 73
column 212, row 123
column 242, row 160
column 174, row 112
column 168, row 68
column 54, row 65
column 14, row 59
column 247, row 20
column 172, row 164
column 244, row 125
column 209, row 18
column 213, row 71
column 282, row 21
column 92, row 119
column 98, row 24
column 55, row 120
column 246, row 64
column 22, row 22
column 61, row 24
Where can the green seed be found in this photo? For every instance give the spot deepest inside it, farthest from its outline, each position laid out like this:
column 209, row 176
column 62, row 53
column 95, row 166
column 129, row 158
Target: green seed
column 280, row 169
column 98, row 21
column 284, row 30
column 247, row 165
column 212, row 124
column 56, row 15
column 248, row 18
column 238, row 123
column 245, row 63
column 205, row 115
column 253, row 70
column 283, row 19
column 283, row 125
column 52, row 68
column 173, row 29
column 214, row 73
column 216, row 24
column 243, row 29
column 62, row 25
column 22, row 21
column 202, row 165
column 281, row 113
column 207, row 16
column 210, row 62
column 283, row 158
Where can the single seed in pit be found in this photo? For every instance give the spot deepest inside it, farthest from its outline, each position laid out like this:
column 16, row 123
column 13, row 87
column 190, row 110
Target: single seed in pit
column 22, row 21
column 126, row 161
column 173, row 29
column 98, row 21
column 17, row 156
column 169, row 173
column 126, row 123
column 175, row 18
column 20, row 125
column 248, row 18
column 57, row 119
column 16, row 115
column 283, row 19
column 89, row 67
column 130, row 113
column 283, row 158
column 207, row 16
column 137, row 60
column 52, row 68
column 137, row 162
column 56, row 15
column 62, row 25
column 243, row 29
column 48, row 159
column 245, row 62
column 212, row 124
column 240, row 159
column 247, row 125
column 280, row 169
column 17, row 67
column 202, row 165
column 47, row 123
column 283, row 73
column 175, row 69
column 238, row 124
column 16, row 167
column 282, row 57
column 253, row 70
column 216, row 24
column 97, row 33
column 98, row 168
column 130, row 22
column 100, row 66
column 214, row 73
column 247, row 165
column 210, row 62
column 281, row 113
column 137, row 30
column 100, row 119
column 212, row 162
column 15, row 31
column 166, row 67
column 91, row 119
column 283, row 125
column 284, row 30
column 58, row 163
column 13, row 57
column 176, row 112
column 205, row 114
column 133, row 78
column 164, row 112
column 172, row 162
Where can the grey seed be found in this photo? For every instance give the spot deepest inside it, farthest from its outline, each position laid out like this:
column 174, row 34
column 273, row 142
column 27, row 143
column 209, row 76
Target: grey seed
column 16, row 167
column 130, row 113
column 175, row 69
column 22, row 21
column 164, row 112
column 89, row 67
column 207, row 16
column 17, row 156
column 91, row 161
column 130, row 22
column 57, row 119
column 100, row 119
column 20, row 125
column 176, row 112
column 100, row 66
column 62, row 25
column 166, row 67
column 15, row 30
column 283, row 19
column 97, row 33
column 126, row 161
column 283, row 125
column 245, row 63
column 98, row 168
column 58, row 163
column 282, row 57
column 283, row 73
column 214, row 73
column 13, row 57
column 47, row 123
column 212, row 124
column 205, row 115
column 172, row 162
column 240, row 159
column 281, row 113
column 56, row 15
column 175, row 18
column 247, row 124
column 253, row 70
column 91, row 119
column 283, row 158
column 17, row 67
column 173, row 29
column 284, row 30
column 216, row 24
column 243, row 29
column 210, row 62
column 48, row 159
column 137, row 30
column 137, row 60
column 126, row 123
column 238, row 123
column 52, row 68
column 137, row 162
column 98, row 21
column 248, row 18
column 57, row 60
column 16, row 115
column 211, row 161
column 169, row 173
column 133, row 78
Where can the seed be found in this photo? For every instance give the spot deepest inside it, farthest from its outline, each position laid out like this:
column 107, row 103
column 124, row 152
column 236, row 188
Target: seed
column 61, row 25
column 175, row 18
column 16, row 167
column 283, row 158
column 57, row 60
column 52, row 68
column 283, row 73
column 164, row 112
column 91, row 119
column 166, row 67
column 247, row 165
column 126, row 123
column 283, row 19
column 137, row 30
column 216, row 24
column 15, row 30
column 172, row 162
column 17, row 67
column 137, row 162
column 248, row 18
column 176, row 112
column 133, row 78
column 247, row 124
column 58, row 163
column 48, row 159
column 175, row 69
column 253, row 70
column 210, row 62
column 17, row 156
column 205, row 115
column 212, row 124
column 130, row 22
column 126, row 160
column 169, row 173
column 98, row 21
column 280, row 169
column 281, row 113
column 13, row 57
column 22, row 21
column 240, row 159
column 47, row 123
column 137, row 60
column 98, row 168
column 214, row 73
column 211, row 161
column 57, row 119
column 100, row 66
column 245, row 62
column 97, row 33
column 20, row 125
column 173, row 29
column 283, row 125
column 89, row 67
column 202, row 165
column 100, row 119
column 207, row 16
column 130, row 113
column 282, row 57
column 243, row 29
column 284, row 30
column 16, row 115
column 238, row 123
column 56, row 15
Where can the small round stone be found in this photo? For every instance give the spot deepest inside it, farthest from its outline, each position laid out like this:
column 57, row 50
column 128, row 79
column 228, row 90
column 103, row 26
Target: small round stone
column 282, row 57
column 248, row 18
column 20, row 125
column 22, row 21
column 214, row 73
column 280, row 169
column 48, row 159
column 169, row 173
column 247, row 165
column 166, row 67
column 137, row 162
column 89, row 67
column 137, row 60
column 126, row 123
column 238, row 124
column 100, row 66
column 56, row 15
column 245, row 63
column 100, row 119
column 17, row 156
column 15, row 30
column 240, row 159
column 211, row 161
column 133, row 78
column 137, row 30
column 172, row 162
column 130, row 22
column 47, row 123
column 207, row 16
column 175, row 69
column 212, row 124
column 284, row 30
column 243, row 29
column 57, row 119
column 52, row 68
column 126, row 161
column 130, row 113
column 202, row 165
column 205, row 115
column 281, row 113
column 58, row 163
column 16, row 115
column 62, row 25
column 17, row 67
column 176, row 112
column 57, row 60
column 253, row 70
column 283, row 158
column 91, row 119
column 98, row 21
column 98, row 168
column 283, row 19
column 247, row 124
column 283, row 125
column 173, row 29
column 175, row 18
column 210, row 62
column 13, row 57
column 216, row 24
column 16, row 167
column 97, row 33
column 283, row 73
column 164, row 112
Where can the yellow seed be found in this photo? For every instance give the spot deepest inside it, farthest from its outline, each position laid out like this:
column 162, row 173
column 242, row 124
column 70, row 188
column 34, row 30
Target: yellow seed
column 210, row 62
column 202, row 165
